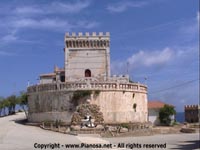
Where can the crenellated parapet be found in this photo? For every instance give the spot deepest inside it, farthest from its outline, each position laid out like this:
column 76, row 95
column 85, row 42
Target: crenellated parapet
column 192, row 107
column 87, row 40
column 87, row 34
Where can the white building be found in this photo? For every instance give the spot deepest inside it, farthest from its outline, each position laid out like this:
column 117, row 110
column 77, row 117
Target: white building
column 153, row 111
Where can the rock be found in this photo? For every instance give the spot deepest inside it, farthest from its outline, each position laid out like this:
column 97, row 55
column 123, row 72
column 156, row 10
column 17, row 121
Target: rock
column 112, row 128
column 84, row 128
column 123, row 130
column 85, row 110
column 99, row 127
column 75, row 127
column 188, row 130
column 67, row 130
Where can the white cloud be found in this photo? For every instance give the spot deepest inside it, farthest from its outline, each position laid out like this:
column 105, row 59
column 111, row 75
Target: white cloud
column 189, row 30
column 4, row 53
column 9, row 37
column 86, row 24
column 55, row 24
column 53, row 8
column 150, row 58
column 24, row 17
column 48, row 16
column 69, row 7
column 198, row 16
column 142, row 60
column 42, row 23
column 28, row 10
column 123, row 6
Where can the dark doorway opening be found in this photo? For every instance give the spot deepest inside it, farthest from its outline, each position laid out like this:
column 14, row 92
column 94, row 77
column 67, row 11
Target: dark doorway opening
column 87, row 73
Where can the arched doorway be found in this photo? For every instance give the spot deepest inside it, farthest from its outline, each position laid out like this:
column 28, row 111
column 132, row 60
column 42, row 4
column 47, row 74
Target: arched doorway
column 87, row 73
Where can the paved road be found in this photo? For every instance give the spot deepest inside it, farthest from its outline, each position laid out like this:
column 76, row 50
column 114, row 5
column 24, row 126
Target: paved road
column 15, row 136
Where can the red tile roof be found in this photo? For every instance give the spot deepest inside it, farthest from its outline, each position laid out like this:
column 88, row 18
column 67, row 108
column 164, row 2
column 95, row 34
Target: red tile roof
column 156, row 104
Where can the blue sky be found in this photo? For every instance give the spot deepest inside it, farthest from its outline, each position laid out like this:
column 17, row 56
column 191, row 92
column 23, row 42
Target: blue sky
column 153, row 39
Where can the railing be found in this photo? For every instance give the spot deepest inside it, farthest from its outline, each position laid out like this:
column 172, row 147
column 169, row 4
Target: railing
column 88, row 86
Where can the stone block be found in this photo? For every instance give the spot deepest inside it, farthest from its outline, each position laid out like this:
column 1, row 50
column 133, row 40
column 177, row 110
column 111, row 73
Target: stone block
column 87, row 34
column 123, row 130
column 80, row 34
column 94, row 34
column 73, row 33
column 107, row 33
column 100, row 33
column 99, row 127
column 75, row 127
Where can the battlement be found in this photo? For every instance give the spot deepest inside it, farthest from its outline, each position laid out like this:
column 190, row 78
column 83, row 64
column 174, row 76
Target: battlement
column 87, row 40
column 192, row 107
column 87, row 34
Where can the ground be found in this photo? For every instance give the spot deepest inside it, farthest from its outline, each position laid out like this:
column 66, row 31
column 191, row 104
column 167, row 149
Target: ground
column 16, row 136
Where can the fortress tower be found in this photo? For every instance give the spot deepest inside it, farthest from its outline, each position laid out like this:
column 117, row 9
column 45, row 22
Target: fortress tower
column 87, row 56
column 87, row 70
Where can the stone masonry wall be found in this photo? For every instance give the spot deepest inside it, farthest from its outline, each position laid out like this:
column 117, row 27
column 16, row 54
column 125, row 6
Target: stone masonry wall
column 50, row 106
column 116, row 106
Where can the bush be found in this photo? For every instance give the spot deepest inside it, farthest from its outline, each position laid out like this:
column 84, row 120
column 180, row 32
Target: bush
column 165, row 113
column 125, row 125
column 77, row 95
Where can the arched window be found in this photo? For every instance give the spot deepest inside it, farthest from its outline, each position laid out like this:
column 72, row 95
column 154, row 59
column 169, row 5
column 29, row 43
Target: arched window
column 91, row 43
column 87, row 43
column 80, row 44
column 87, row 73
column 95, row 43
column 67, row 43
column 83, row 43
column 104, row 43
column 98, row 44
column 74, row 44
column 101, row 43
column 70, row 44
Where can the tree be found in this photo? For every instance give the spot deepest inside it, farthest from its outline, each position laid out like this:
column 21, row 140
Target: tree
column 1, row 107
column 165, row 114
column 1, row 104
column 12, row 103
column 23, row 101
column 5, row 104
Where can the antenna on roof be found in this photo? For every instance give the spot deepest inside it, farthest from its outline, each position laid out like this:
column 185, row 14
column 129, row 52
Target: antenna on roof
column 127, row 67
column 145, row 80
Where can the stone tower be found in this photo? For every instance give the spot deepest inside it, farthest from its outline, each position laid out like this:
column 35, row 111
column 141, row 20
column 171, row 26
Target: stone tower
column 87, row 70
column 87, row 56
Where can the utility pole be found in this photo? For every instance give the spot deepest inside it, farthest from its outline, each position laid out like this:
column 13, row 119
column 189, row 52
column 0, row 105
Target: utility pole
column 127, row 68
column 145, row 80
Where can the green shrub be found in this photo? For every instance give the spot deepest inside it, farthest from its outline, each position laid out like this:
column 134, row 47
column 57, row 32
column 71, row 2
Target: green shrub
column 125, row 125
column 77, row 95
column 165, row 113
column 80, row 94
column 96, row 92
